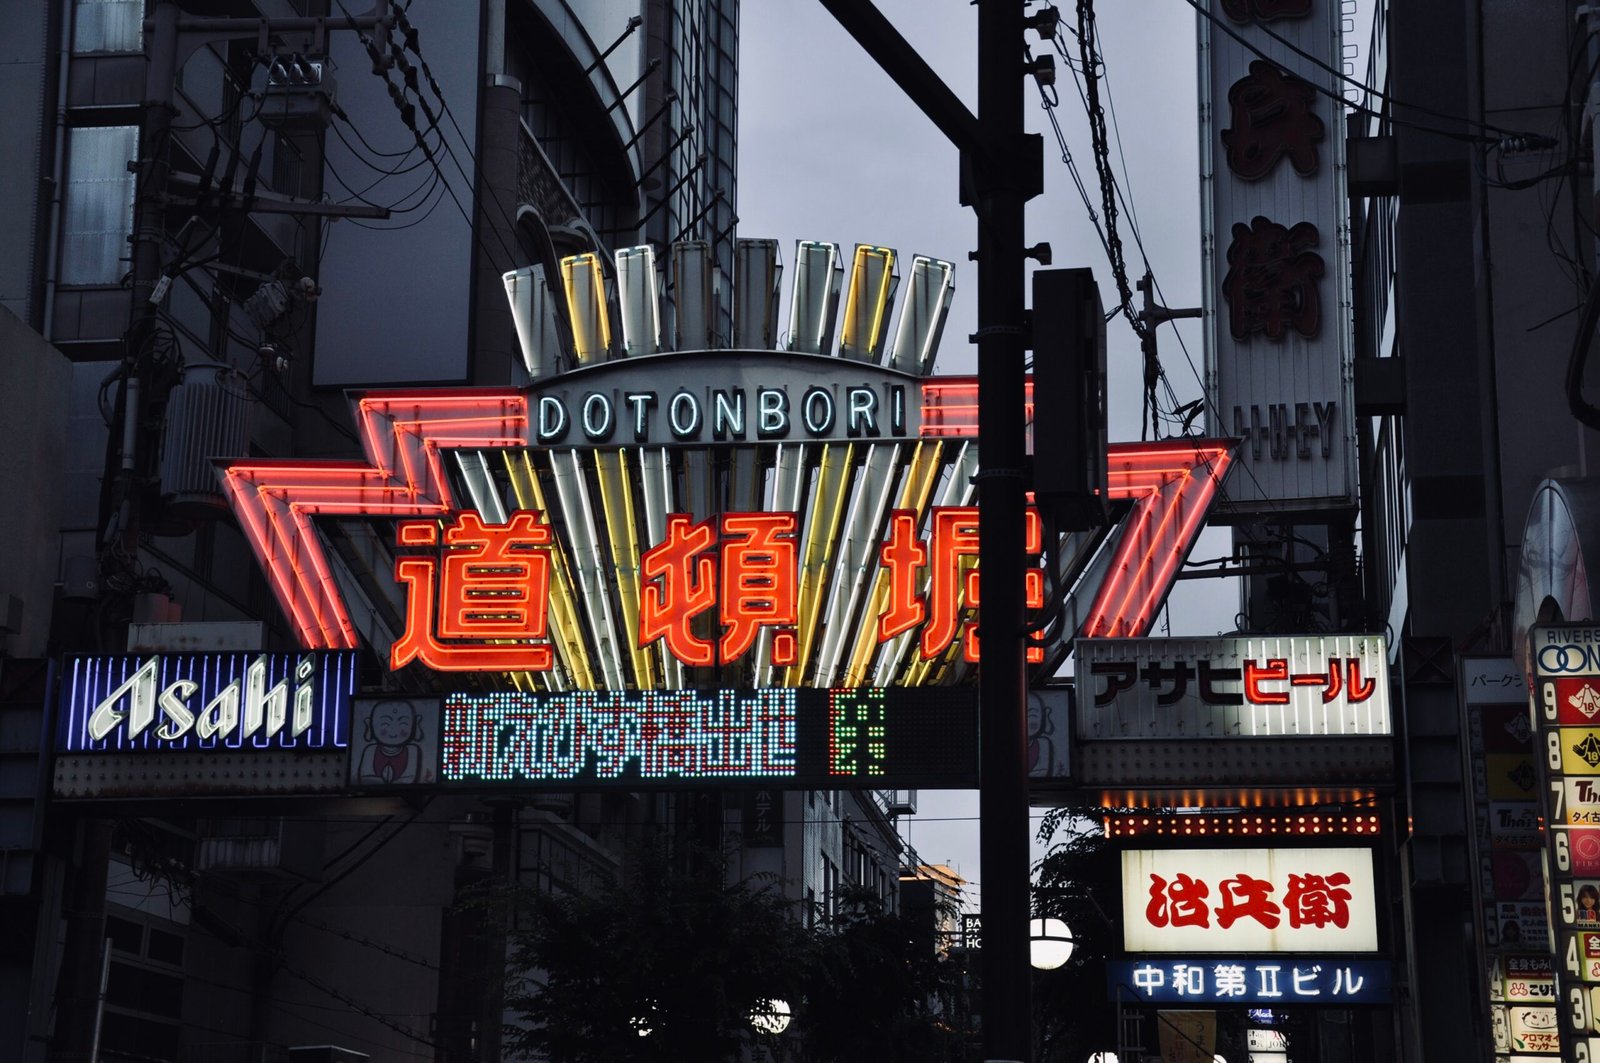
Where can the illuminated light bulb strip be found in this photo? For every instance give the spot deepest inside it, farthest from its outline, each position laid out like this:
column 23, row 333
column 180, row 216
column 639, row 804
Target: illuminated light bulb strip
column 616, row 499
column 656, row 475
column 866, row 306
column 787, row 493
column 824, row 516
column 588, row 565
column 858, row 643
column 585, row 289
column 922, row 315
column 857, row 557
column 571, row 650
column 401, row 433
column 1242, row 825
column 916, row 494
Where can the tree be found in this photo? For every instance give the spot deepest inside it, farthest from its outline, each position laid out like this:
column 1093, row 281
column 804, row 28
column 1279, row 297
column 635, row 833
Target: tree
column 670, row 960
column 666, row 962
column 1078, row 881
column 876, row 993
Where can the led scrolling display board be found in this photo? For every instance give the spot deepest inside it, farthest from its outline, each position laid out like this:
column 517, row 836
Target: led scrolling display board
column 803, row 738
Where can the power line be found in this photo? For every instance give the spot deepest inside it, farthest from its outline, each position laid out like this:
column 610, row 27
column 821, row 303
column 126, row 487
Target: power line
column 413, row 42
column 1500, row 132
column 407, row 113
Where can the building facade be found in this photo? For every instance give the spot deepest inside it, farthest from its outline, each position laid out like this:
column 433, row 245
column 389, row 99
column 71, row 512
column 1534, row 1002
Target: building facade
column 1473, row 220
column 227, row 214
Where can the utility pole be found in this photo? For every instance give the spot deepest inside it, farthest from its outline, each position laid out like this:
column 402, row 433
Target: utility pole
column 1001, row 169
column 1002, row 185
column 170, row 37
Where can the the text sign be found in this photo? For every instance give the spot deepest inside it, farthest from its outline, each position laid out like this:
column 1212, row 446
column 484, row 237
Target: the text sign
column 1259, row 687
column 478, row 595
column 1290, row 900
column 205, row 701
column 865, row 736
column 1249, row 980
column 1566, row 714
column 724, row 397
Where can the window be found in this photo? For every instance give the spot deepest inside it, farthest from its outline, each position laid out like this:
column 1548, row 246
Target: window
column 144, row 988
column 98, row 216
column 107, row 26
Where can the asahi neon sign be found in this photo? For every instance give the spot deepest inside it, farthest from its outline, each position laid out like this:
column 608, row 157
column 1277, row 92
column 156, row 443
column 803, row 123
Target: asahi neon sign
column 202, row 701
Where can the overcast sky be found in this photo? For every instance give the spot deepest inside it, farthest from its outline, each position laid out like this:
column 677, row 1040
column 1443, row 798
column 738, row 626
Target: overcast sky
column 830, row 149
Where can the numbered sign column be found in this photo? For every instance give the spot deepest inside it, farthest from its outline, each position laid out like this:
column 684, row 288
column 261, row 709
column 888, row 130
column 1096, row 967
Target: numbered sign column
column 1565, row 701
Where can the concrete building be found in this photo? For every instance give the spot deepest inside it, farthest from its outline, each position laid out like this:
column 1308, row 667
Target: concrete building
column 1473, row 220
column 225, row 215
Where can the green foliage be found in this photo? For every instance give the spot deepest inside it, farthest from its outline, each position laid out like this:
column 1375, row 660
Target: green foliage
column 877, row 992
column 672, row 946
column 1079, row 880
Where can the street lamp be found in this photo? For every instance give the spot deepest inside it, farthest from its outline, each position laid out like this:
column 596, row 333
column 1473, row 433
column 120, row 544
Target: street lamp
column 1050, row 943
column 774, row 1018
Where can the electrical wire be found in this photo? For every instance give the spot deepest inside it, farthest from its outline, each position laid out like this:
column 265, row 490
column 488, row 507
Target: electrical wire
column 425, row 187
column 394, row 171
column 413, row 43
column 1090, row 64
column 380, row 67
column 1497, row 131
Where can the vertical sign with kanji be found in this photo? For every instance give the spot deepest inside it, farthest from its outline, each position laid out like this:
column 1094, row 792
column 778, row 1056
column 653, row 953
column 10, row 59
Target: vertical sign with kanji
column 1566, row 716
column 1508, row 842
column 1276, row 251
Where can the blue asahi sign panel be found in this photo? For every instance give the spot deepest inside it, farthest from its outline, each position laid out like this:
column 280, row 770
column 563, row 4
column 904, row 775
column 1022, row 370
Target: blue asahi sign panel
column 233, row 702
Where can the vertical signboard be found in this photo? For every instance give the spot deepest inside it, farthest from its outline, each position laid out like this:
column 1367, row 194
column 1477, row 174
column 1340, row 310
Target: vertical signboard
column 1276, row 250
column 1566, row 715
column 1508, row 842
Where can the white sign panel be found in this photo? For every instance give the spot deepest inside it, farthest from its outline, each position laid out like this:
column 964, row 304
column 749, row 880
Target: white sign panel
column 1266, row 1041
column 1582, row 805
column 1263, row 687
column 1249, row 900
column 1276, row 252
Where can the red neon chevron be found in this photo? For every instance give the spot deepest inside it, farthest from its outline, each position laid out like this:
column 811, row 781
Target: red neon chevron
column 1172, row 483
column 402, row 433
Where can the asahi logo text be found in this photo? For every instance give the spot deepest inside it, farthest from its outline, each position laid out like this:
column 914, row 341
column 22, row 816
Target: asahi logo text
column 245, row 707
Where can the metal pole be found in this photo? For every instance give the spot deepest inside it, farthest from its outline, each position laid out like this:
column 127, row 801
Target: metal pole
column 100, row 1006
column 149, row 224
column 1002, row 484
